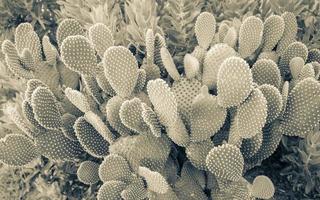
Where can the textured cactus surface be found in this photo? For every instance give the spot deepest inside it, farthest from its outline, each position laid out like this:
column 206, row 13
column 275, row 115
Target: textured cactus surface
column 158, row 128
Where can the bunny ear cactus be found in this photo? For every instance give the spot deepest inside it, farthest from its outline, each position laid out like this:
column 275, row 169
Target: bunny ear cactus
column 307, row 71
column 213, row 61
column 88, row 172
column 251, row 115
column 274, row 101
column 250, row 146
column 250, row 36
column 152, row 152
column 152, row 63
column 131, row 115
column 271, row 55
column 185, row 90
column 266, row 71
column 24, row 31
column 77, row 99
column 111, row 190
column 28, row 113
column 163, row 100
column 68, row 27
column 262, row 188
column 313, row 56
column 17, row 150
column 78, row 55
column 289, row 33
column 54, row 145
column 50, row 52
column 121, row 69
column 24, row 59
column 273, row 29
column 302, row 115
column 68, row 121
column 231, row 37
column 222, row 30
column 113, row 116
column 141, row 81
column 206, row 117
column 115, row 167
column 295, row 49
column 296, row 64
column 101, row 38
column 191, row 66
column 93, row 89
column 159, row 42
column 187, row 188
column 27, row 59
column 169, row 64
column 135, row 190
column 225, row 162
column 272, row 135
column 19, row 35
column 190, row 172
column 13, row 61
column 231, row 91
column 155, row 181
column 150, row 46
column 164, row 128
column 14, row 115
column 98, row 124
column 205, row 28
column 45, row 108
column 197, row 153
column 151, row 119
column 90, row 139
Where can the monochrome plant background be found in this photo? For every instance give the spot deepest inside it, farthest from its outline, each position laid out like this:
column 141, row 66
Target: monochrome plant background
column 159, row 99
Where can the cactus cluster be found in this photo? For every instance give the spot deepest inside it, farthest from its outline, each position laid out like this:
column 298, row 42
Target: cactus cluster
column 151, row 131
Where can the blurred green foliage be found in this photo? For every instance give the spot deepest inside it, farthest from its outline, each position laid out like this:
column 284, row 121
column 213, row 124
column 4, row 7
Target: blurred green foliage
column 40, row 13
column 302, row 158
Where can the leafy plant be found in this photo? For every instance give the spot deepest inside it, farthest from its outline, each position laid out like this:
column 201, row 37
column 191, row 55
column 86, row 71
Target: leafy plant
column 40, row 13
column 303, row 164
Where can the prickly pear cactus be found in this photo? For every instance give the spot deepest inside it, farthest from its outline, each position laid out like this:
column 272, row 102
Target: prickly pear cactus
column 159, row 129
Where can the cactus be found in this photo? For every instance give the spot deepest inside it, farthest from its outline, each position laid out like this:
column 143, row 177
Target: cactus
column 78, row 55
column 272, row 32
column 17, row 150
column 289, row 33
column 204, row 35
column 68, row 27
column 155, row 181
column 56, row 146
column 250, row 36
column 114, row 167
column 266, row 71
column 295, row 120
column 251, row 116
column 88, row 172
column 122, row 74
column 225, row 162
column 111, row 190
column 207, row 117
column 163, row 128
column 231, row 91
column 45, row 108
column 213, row 61
column 90, row 139
column 163, row 100
column 274, row 101
column 262, row 187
